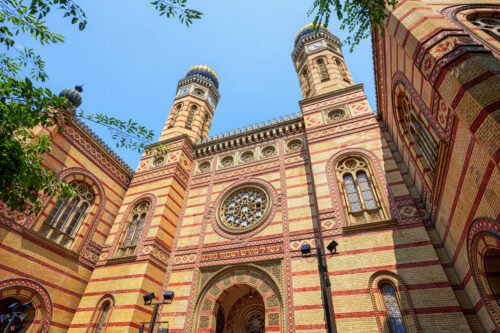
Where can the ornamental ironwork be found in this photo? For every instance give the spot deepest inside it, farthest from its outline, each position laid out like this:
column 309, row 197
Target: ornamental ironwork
column 244, row 208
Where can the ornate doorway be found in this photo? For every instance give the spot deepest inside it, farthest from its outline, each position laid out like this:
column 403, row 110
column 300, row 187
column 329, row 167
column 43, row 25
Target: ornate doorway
column 241, row 310
column 244, row 300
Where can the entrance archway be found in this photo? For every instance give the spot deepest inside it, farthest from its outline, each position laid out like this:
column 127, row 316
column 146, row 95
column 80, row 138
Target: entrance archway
column 239, row 300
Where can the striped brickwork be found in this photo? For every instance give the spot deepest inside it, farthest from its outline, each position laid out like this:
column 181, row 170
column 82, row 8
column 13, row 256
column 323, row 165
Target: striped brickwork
column 63, row 272
column 130, row 277
column 451, row 68
column 429, row 235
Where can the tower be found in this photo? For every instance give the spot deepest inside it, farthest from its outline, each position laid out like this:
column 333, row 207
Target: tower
column 193, row 108
column 138, row 248
column 319, row 63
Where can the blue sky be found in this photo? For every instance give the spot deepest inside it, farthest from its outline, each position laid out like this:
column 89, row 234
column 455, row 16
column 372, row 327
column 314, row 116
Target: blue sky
column 130, row 59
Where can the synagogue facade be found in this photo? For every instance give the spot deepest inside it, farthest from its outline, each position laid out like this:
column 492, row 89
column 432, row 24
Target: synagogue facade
column 335, row 219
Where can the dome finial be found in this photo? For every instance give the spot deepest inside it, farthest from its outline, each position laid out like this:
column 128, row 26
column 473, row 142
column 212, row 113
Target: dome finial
column 205, row 71
column 73, row 95
column 308, row 29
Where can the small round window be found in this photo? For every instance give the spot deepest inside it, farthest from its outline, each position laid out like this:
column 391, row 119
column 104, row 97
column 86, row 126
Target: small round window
column 294, row 145
column 268, row 151
column 336, row 115
column 244, row 208
column 227, row 162
column 247, row 157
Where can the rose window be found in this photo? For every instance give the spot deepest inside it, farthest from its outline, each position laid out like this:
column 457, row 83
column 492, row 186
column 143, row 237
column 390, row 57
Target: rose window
column 247, row 157
column 255, row 323
column 244, row 209
column 269, row 151
column 294, row 145
column 158, row 162
column 490, row 25
column 227, row 162
column 336, row 115
column 204, row 167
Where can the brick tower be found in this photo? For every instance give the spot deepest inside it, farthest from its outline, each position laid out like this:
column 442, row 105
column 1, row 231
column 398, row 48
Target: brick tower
column 136, row 252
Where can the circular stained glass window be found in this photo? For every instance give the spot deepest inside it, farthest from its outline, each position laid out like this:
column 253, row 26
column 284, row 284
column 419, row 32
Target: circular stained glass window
column 244, row 208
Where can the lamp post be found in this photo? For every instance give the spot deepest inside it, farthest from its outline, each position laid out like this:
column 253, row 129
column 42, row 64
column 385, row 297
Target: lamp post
column 15, row 318
column 168, row 297
column 325, row 281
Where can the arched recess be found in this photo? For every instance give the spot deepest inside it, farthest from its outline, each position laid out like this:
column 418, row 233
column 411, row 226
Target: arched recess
column 26, row 290
column 483, row 249
column 404, row 303
column 101, row 315
column 152, row 200
column 93, row 214
column 378, row 180
column 208, row 301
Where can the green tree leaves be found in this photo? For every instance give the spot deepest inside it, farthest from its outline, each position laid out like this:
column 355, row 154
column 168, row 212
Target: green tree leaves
column 28, row 113
column 359, row 17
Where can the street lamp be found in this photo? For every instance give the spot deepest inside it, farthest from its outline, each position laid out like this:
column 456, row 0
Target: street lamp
column 14, row 319
column 168, row 297
column 305, row 249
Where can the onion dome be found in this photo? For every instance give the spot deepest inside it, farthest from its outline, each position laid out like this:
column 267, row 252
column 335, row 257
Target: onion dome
column 73, row 95
column 204, row 71
column 308, row 29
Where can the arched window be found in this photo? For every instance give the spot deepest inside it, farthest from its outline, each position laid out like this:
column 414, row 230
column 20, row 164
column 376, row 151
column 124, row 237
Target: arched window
column 322, row 70
column 190, row 118
column 305, row 75
column 101, row 320
column 205, row 121
column 392, row 303
column 175, row 113
column 342, row 71
column 67, row 214
column 101, row 314
column 133, row 230
column 362, row 202
column 394, row 318
column 418, row 135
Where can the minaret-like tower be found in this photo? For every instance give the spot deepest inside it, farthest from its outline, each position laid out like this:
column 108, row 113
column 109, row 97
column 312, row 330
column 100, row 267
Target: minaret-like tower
column 319, row 63
column 194, row 105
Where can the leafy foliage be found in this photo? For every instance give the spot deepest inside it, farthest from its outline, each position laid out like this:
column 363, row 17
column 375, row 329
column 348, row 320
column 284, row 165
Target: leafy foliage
column 29, row 113
column 359, row 17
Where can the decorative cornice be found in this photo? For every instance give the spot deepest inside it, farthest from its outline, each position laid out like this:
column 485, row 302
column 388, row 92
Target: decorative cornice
column 250, row 134
column 201, row 80
column 101, row 144
column 335, row 93
column 309, row 38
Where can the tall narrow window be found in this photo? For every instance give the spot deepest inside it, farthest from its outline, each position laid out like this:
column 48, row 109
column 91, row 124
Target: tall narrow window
column 418, row 135
column 363, row 204
column 103, row 315
column 175, row 113
column 190, row 118
column 305, row 75
column 322, row 70
column 342, row 70
column 392, row 309
column 67, row 214
column 133, row 231
column 205, row 121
